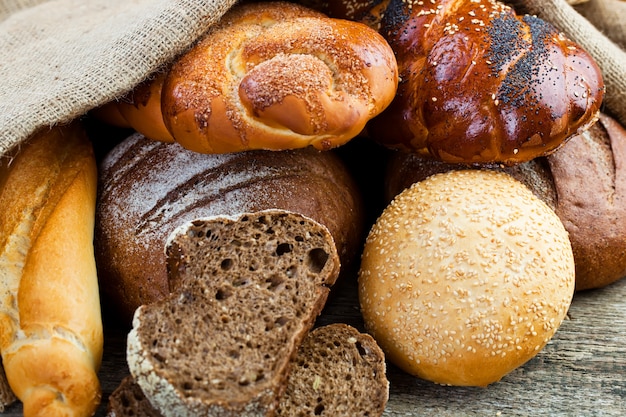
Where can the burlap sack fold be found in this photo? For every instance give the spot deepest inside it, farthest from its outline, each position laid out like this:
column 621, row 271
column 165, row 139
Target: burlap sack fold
column 61, row 58
column 610, row 57
column 608, row 16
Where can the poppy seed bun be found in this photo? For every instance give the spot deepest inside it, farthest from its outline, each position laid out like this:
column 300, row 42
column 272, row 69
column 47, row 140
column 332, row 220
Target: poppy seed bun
column 465, row 276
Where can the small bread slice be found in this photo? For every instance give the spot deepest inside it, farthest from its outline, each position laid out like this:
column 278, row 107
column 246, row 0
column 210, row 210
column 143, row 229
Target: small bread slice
column 128, row 400
column 247, row 291
column 337, row 372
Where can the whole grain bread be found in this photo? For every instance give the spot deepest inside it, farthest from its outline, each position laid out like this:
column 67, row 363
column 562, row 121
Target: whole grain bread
column 338, row 371
column 128, row 400
column 247, row 290
column 147, row 189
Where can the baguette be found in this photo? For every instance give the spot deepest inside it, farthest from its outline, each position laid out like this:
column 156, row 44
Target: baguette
column 50, row 318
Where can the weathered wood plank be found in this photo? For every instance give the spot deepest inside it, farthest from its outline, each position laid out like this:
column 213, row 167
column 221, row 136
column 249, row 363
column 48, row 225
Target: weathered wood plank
column 581, row 372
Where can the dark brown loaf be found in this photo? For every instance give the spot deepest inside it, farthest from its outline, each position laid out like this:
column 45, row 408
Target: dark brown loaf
column 148, row 188
column 480, row 84
column 249, row 289
column 583, row 182
column 590, row 179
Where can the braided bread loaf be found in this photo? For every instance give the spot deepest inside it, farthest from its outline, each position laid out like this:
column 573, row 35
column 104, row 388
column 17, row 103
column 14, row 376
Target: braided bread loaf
column 269, row 76
column 480, row 84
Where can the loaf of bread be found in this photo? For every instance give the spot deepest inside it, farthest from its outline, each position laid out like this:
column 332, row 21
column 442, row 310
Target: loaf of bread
column 465, row 276
column 482, row 85
column 269, row 75
column 582, row 181
column 50, row 318
column 148, row 188
column 246, row 292
column 337, row 372
column 590, row 184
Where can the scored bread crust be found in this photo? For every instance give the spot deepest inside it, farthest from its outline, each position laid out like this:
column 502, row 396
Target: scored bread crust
column 248, row 290
column 588, row 175
column 149, row 188
column 50, row 323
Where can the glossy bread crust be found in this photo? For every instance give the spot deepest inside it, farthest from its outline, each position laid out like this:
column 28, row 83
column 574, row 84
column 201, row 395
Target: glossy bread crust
column 480, row 84
column 269, row 75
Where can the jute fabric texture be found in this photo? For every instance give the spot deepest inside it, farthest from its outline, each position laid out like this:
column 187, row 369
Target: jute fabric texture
column 61, row 58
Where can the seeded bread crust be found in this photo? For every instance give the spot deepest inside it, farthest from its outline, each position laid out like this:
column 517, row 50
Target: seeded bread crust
column 583, row 182
column 247, row 291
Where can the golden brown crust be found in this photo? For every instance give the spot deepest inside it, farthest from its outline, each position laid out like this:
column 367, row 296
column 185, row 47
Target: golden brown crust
column 270, row 75
column 50, row 311
column 461, row 287
column 278, row 76
column 482, row 85
column 141, row 108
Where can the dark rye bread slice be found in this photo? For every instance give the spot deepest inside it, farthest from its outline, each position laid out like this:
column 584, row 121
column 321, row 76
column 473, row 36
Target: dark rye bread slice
column 338, row 371
column 247, row 290
column 129, row 400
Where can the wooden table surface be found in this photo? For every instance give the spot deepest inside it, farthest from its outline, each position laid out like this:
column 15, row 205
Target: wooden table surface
column 581, row 372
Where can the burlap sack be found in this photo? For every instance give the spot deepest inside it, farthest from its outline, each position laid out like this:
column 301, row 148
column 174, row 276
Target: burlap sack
column 609, row 16
column 609, row 56
column 60, row 58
